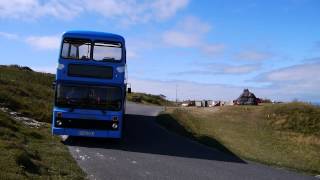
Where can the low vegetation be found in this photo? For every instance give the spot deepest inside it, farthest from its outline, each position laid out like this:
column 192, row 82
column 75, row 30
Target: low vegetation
column 27, row 153
column 27, row 92
column 31, row 93
column 32, row 153
column 148, row 99
column 282, row 135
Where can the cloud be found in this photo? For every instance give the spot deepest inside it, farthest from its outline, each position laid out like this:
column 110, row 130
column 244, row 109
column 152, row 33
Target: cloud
column 168, row 8
column 190, row 33
column 180, row 39
column 32, row 9
column 212, row 49
column 242, row 69
column 254, row 55
column 297, row 73
column 44, row 42
column 131, row 12
column 198, row 91
column 8, row 35
column 301, row 80
column 128, row 11
column 185, row 89
column 221, row 69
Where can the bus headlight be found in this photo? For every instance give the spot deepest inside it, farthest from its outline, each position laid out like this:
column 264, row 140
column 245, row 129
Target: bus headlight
column 120, row 69
column 114, row 125
column 60, row 66
column 58, row 122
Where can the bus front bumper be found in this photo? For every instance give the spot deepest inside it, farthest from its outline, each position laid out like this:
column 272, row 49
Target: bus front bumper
column 87, row 132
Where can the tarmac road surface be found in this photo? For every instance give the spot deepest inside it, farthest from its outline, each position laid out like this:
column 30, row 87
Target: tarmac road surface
column 148, row 151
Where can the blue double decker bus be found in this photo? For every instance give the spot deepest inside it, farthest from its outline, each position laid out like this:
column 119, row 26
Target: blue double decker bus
column 90, row 86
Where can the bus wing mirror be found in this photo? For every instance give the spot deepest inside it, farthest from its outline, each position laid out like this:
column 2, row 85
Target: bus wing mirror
column 53, row 84
column 129, row 90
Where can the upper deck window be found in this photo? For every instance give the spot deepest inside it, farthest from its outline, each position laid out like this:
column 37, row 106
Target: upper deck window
column 76, row 49
column 107, row 51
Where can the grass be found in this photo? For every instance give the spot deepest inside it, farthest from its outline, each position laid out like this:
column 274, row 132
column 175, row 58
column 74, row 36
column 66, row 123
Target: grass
column 27, row 92
column 31, row 93
column 27, row 153
column 148, row 99
column 281, row 135
column 33, row 153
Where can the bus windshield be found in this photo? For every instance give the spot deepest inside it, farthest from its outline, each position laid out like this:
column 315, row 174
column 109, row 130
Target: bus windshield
column 81, row 50
column 76, row 49
column 91, row 97
column 105, row 51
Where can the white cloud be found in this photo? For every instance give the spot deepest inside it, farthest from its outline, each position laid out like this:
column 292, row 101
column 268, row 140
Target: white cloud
column 44, row 42
column 213, row 49
column 128, row 11
column 298, row 81
column 254, row 55
column 131, row 11
column 199, row 91
column 190, row 33
column 180, row 39
column 186, row 90
column 31, row 9
column 167, row 8
column 242, row 69
column 301, row 73
column 8, row 35
column 224, row 69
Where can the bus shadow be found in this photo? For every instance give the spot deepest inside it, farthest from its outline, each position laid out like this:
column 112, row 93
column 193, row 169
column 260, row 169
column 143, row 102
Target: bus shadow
column 143, row 135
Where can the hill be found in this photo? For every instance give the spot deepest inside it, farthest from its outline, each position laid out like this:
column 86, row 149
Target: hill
column 28, row 152
column 33, row 153
column 282, row 135
column 149, row 99
column 27, row 92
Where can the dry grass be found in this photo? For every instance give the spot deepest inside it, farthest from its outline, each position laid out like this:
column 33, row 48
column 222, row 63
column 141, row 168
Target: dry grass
column 247, row 132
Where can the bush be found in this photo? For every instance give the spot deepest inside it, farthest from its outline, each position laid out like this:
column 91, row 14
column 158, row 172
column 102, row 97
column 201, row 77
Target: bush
column 295, row 116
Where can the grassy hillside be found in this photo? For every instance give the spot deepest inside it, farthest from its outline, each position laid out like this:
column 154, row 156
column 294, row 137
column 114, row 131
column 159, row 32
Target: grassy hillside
column 283, row 135
column 148, row 99
column 32, row 153
column 27, row 153
column 31, row 93
column 27, row 92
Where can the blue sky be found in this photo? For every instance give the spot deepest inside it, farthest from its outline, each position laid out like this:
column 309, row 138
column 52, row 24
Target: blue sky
column 209, row 49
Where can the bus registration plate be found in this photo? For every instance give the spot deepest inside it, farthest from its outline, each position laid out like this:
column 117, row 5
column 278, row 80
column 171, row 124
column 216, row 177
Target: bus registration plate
column 86, row 133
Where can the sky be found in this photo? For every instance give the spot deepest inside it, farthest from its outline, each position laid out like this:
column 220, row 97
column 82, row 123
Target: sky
column 208, row 49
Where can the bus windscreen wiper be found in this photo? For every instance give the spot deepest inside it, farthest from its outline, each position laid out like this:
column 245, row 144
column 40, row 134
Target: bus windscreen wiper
column 108, row 59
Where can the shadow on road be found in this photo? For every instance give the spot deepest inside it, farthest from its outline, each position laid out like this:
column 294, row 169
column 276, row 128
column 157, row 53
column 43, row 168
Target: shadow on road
column 143, row 135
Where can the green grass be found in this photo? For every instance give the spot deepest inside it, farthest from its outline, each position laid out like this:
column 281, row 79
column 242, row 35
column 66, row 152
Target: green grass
column 29, row 153
column 33, row 153
column 282, row 135
column 27, row 92
column 148, row 99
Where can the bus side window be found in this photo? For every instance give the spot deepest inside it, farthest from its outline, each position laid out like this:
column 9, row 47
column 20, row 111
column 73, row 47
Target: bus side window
column 65, row 50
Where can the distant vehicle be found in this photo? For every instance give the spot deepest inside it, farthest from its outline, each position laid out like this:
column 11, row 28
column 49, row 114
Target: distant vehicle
column 90, row 86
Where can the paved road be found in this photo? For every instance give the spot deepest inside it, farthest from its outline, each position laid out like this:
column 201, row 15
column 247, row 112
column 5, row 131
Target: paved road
column 151, row 152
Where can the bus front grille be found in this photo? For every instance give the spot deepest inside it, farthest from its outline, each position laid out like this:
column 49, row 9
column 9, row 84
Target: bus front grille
column 84, row 124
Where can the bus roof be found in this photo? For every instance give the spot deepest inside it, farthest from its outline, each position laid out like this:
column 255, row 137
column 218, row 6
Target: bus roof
column 93, row 35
